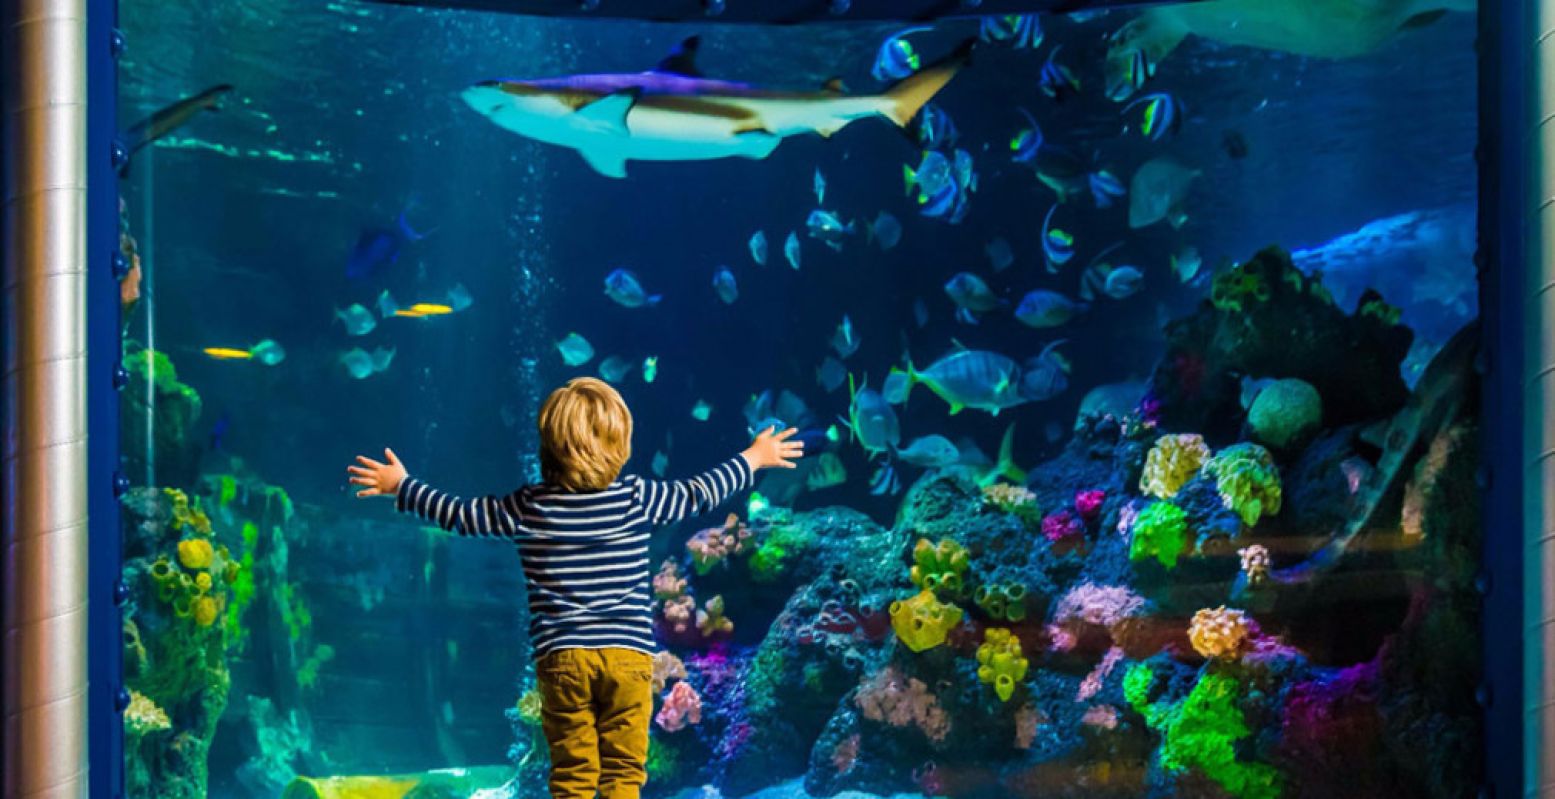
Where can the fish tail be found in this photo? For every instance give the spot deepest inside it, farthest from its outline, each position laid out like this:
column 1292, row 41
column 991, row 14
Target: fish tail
column 1005, row 466
column 909, row 177
column 407, row 231
column 908, row 95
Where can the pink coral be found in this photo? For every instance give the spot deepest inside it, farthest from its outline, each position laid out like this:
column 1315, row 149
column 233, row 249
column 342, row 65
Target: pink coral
column 712, row 546
column 666, row 667
column 1088, row 504
column 1063, row 525
column 678, row 613
column 668, row 583
column 682, row 706
column 1092, row 684
column 1103, row 605
column 1101, row 717
column 1027, row 721
column 1060, row 639
column 845, row 754
column 902, row 702
column 1126, row 516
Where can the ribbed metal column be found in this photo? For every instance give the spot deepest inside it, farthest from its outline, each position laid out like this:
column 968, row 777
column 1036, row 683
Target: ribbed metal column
column 1539, row 430
column 43, row 543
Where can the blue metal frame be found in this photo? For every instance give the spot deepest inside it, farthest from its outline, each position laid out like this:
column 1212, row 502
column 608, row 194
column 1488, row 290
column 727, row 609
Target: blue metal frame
column 105, row 737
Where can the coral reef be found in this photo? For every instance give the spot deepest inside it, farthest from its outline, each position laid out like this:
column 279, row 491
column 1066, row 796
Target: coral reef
column 681, row 706
column 1285, row 413
column 1219, row 632
column 1248, row 482
column 1161, row 532
column 1171, row 463
column 159, row 415
column 923, row 621
column 1000, row 662
column 939, row 568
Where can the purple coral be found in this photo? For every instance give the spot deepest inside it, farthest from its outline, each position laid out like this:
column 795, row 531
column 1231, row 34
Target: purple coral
column 1062, row 526
column 1088, row 504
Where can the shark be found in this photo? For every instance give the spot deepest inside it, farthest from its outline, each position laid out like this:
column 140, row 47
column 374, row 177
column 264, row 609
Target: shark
column 674, row 113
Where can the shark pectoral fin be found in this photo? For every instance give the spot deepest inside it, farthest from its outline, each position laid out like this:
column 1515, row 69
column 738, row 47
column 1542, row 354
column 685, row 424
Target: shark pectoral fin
column 608, row 113
column 757, row 143
column 605, row 162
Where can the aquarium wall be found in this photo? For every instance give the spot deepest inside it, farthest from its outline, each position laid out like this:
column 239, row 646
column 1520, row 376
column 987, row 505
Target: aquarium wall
column 1133, row 351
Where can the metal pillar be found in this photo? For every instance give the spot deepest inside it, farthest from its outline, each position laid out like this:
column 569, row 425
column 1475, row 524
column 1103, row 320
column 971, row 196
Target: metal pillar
column 43, row 133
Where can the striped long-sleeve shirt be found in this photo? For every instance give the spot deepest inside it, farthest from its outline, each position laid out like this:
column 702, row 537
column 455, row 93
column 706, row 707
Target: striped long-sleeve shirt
column 585, row 555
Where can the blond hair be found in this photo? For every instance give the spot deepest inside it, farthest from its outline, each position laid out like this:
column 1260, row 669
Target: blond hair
column 585, row 435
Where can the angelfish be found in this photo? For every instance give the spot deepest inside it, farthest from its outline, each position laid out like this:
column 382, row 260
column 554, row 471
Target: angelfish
column 673, row 113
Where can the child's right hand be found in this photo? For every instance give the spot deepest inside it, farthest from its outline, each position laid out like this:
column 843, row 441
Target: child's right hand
column 773, row 450
column 381, row 479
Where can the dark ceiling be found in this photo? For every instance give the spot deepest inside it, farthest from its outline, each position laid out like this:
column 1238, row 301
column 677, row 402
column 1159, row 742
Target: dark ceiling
column 781, row 12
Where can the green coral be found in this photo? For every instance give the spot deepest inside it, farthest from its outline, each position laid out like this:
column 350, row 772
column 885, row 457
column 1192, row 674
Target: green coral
column 770, row 560
column 923, row 621
column 1285, row 412
column 1201, row 732
column 294, row 611
column 1248, row 481
column 1235, row 288
column 308, row 672
column 227, row 489
column 1002, row 601
column 663, row 762
column 240, row 575
column 1374, row 307
column 939, row 568
column 766, row 678
column 1160, row 531
column 815, row 677
column 1000, row 662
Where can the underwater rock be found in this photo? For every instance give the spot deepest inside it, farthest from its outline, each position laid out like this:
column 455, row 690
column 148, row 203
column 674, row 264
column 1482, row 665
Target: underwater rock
column 1266, row 319
column 155, row 401
column 1285, row 412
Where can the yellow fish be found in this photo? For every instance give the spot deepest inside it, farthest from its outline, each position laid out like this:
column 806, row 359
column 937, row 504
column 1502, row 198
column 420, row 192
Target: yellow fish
column 430, row 309
column 406, row 312
column 228, row 354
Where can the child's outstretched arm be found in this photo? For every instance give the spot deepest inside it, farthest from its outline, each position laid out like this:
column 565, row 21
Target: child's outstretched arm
column 675, row 500
column 483, row 517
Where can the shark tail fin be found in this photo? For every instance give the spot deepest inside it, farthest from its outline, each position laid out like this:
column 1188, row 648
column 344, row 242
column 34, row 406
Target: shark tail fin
column 910, row 93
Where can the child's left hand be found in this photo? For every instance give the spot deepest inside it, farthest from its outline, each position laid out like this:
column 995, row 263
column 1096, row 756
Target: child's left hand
column 381, row 479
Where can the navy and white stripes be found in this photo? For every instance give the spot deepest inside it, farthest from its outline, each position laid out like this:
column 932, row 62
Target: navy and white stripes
column 585, row 556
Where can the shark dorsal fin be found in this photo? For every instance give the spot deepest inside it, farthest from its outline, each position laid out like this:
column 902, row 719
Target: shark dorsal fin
column 682, row 60
column 834, row 85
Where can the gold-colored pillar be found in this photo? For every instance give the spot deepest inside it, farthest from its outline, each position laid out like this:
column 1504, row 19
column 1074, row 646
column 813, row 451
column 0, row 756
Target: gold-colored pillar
column 43, row 530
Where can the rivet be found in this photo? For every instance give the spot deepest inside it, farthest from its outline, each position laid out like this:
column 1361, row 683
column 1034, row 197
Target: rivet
column 121, row 484
column 120, row 154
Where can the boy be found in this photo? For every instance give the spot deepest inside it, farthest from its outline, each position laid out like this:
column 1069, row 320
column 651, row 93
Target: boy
column 582, row 535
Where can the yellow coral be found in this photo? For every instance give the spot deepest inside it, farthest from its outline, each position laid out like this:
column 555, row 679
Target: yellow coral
column 1218, row 632
column 923, row 621
column 143, row 716
column 202, row 581
column 205, row 611
column 1008, row 497
column 1000, row 662
column 196, row 553
column 1172, row 462
column 529, row 707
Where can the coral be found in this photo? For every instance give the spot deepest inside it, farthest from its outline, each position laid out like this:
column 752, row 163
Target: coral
column 1006, row 602
column 1248, row 482
column 294, row 611
column 714, row 545
column 845, row 753
column 778, row 546
column 679, row 613
column 1255, row 563
column 143, row 716
column 1103, row 605
column 1027, row 721
column 196, row 553
column 1285, row 413
column 1218, row 632
column 1372, row 306
column 1171, row 463
column 1088, row 504
column 1238, row 287
column 240, row 575
column 1161, row 532
column 1063, row 526
column 1013, row 499
column 939, row 568
column 1092, row 684
column 890, row 698
column 528, row 707
column 308, row 672
column 1101, row 717
column 663, row 761
column 682, row 706
column 666, row 667
column 1201, row 732
column 923, row 621
column 1000, row 662
column 205, row 611
column 667, row 583
column 711, row 620
column 185, row 515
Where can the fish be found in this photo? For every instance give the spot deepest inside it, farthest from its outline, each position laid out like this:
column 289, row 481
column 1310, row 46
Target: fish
column 362, row 365
column 831, row 374
column 786, row 409
column 896, row 387
column 1057, row 81
column 885, row 481
column 971, row 296
column 942, row 184
column 1016, row 30
column 171, row 117
column 701, row 411
column 896, row 58
column 267, row 352
column 358, row 320
column 575, row 350
column 614, row 369
column 1158, row 191
column 459, row 298
column 978, row 379
column 825, row 225
column 885, row 231
column 1162, row 115
column 1026, row 142
column 724, row 285
column 936, row 130
column 1041, row 308
column 845, row 341
column 217, row 440
column 791, row 249
column 661, row 463
column 1057, row 245
column 871, row 421
column 1105, row 187
column 1235, row 144
column 1004, row 467
column 1045, row 375
column 1093, row 278
column 387, row 307
column 1000, row 256
column 920, row 312
column 758, row 247
column 1186, row 264
column 673, row 113
column 378, row 248
column 1129, row 67
column 650, row 368
column 930, row 177
column 227, row 353
column 930, row 452
column 623, row 286
column 827, row 472
column 1062, row 171
column 818, row 183
column 422, row 310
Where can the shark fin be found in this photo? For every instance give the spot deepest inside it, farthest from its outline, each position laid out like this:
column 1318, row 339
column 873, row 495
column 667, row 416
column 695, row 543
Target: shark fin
column 682, row 60
column 759, row 142
column 905, row 97
column 609, row 164
column 608, row 113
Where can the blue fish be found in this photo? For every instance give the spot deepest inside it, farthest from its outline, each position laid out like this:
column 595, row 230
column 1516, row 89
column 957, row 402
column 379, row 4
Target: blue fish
column 725, row 286
column 378, row 248
column 1105, row 187
column 936, row 130
column 1018, row 30
column 623, row 286
column 825, row 225
column 896, row 58
column 1162, row 115
column 791, row 249
column 218, row 438
column 758, row 247
column 885, row 481
column 1057, row 81
column 885, row 230
column 1057, row 244
column 1027, row 141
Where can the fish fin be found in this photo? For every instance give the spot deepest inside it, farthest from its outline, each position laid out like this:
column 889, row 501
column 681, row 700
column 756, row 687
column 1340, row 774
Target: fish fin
column 907, row 95
column 1005, row 465
column 909, row 177
column 955, row 408
column 827, row 130
column 609, row 164
column 682, row 60
column 763, row 141
column 834, row 85
column 608, row 113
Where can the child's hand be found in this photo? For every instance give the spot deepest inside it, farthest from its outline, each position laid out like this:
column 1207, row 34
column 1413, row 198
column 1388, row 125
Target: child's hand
column 381, row 479
column 771, row 450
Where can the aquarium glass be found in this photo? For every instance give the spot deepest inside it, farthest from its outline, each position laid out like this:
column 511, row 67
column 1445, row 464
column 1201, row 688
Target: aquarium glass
column 1131, row 353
